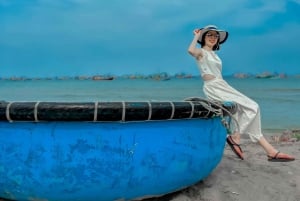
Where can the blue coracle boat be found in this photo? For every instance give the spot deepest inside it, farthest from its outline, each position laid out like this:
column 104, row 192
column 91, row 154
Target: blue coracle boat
column 64, row 151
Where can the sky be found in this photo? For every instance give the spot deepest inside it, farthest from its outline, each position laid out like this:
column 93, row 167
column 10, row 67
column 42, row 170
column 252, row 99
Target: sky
column 42, row 38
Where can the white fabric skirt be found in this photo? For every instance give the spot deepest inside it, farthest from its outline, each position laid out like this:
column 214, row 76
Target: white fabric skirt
column 248, row 112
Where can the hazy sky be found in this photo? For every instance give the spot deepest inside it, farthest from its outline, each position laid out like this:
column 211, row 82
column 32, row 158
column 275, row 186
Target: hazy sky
column 88, row 37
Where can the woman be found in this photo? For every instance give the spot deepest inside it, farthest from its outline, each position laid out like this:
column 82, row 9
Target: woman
column 215, row 88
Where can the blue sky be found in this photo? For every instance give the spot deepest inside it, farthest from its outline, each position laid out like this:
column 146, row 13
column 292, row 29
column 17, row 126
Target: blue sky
column 88, row 37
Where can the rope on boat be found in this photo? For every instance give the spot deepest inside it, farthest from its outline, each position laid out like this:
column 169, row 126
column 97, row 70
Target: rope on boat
column 114, row 111
column 123, row 111
column 35, row 111
column 96, row 111
column 8, row 113
column 218, row 112
column 150, row 111
column 193, row 108
column 173, row 110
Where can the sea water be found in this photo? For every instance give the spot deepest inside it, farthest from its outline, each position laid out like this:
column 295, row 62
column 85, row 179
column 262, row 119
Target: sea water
column 279, row 99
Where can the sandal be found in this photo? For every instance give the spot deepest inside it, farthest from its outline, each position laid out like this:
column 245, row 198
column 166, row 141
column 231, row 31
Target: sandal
column 236, row 148
column 280, row 157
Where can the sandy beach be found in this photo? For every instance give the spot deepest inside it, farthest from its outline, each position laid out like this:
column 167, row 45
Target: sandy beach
column 254, row 178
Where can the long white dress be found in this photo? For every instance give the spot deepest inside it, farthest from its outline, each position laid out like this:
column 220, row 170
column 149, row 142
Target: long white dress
column 248, row 112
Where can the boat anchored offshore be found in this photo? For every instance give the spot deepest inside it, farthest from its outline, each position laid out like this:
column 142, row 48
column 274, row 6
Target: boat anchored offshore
column 107, row 150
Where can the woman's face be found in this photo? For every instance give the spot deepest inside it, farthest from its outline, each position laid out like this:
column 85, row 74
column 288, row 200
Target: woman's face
column 211, row 38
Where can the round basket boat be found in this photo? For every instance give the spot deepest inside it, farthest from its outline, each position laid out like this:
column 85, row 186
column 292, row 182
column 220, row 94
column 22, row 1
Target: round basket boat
column 107, row 150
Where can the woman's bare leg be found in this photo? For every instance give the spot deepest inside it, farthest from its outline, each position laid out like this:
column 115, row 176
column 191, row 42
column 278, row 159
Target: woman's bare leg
column 267, row 146
column 236, row 137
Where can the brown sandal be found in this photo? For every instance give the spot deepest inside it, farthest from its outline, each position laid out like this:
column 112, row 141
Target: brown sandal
column 278, row 158
column 236, row 148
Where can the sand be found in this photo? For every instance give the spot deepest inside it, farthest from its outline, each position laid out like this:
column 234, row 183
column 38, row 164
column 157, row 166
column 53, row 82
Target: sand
column 252, row 179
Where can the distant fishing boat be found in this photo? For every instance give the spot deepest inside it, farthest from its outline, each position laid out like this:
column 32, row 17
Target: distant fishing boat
column 162, row 78
column 102, row 77
column 68, row 151
column 265, row 75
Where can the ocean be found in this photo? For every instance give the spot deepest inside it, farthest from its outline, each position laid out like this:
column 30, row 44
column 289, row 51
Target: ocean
column 279, row 99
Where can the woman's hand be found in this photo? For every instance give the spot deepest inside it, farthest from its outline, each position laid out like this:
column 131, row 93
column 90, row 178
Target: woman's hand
column 193, row 50
column 197, row 32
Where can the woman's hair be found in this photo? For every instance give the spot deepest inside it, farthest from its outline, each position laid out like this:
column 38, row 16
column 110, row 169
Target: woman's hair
column 215, row 47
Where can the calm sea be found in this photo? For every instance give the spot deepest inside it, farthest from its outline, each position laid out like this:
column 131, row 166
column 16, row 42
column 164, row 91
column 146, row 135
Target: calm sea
column 279, row 98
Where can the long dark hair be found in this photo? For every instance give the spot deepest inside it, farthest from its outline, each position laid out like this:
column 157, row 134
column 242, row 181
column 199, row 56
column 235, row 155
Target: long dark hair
column 215, row 47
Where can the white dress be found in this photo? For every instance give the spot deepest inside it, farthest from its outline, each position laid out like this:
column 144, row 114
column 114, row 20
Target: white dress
column 248, row 112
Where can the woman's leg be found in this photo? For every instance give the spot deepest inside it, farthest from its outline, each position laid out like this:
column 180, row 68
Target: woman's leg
column 236, row 137
column 248, row 117
column 248, row 112
column 271, row 151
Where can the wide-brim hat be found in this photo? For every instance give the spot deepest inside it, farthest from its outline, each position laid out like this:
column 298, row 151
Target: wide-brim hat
column 223, row 34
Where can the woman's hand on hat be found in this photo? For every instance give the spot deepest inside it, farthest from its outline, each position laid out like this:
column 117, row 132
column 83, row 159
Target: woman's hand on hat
column 197, row 32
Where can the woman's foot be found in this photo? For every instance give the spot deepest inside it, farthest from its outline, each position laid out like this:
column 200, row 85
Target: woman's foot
column 236, row 148
column 236, row 137
column 280, row 157
column 272, row 154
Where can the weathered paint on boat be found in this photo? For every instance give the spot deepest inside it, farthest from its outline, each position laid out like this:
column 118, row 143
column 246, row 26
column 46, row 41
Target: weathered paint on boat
column 77, row 160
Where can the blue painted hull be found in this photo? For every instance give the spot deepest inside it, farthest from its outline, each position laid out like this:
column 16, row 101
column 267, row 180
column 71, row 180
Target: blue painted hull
column 72, row 161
